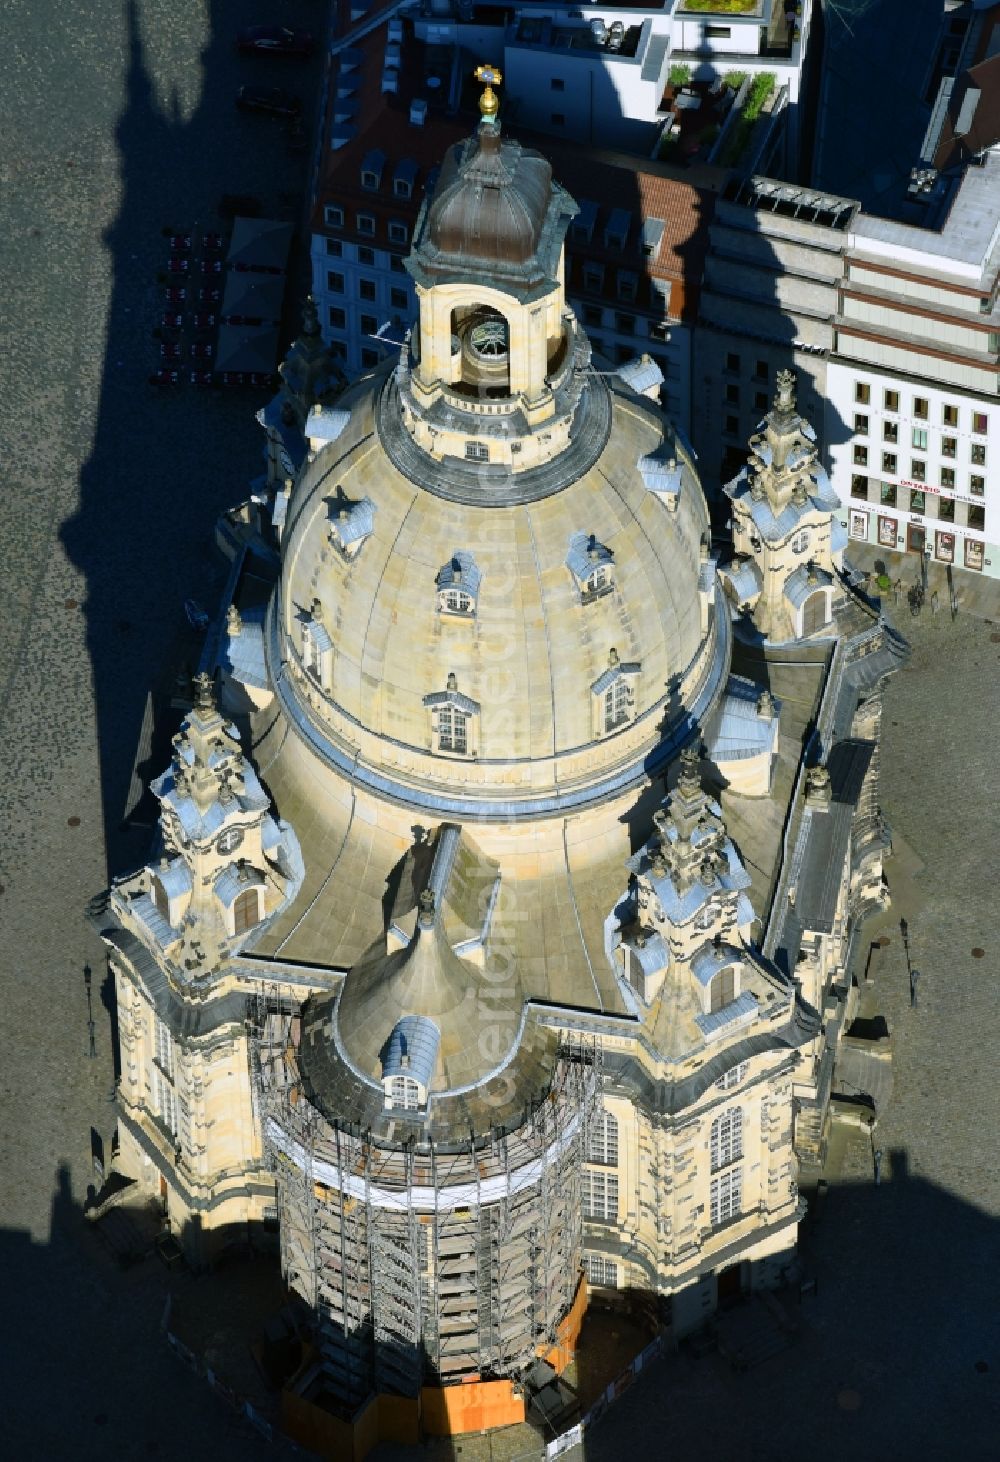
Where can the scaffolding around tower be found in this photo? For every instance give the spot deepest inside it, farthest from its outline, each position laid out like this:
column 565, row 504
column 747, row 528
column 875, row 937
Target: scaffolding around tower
column 424, row 1264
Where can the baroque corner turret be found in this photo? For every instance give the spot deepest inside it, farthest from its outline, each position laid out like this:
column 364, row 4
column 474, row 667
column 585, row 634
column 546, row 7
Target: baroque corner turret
column 787, row 542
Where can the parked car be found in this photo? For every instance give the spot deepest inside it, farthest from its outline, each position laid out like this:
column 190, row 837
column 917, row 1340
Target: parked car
column 269, row 99
column 274, row 40
column 164, row 377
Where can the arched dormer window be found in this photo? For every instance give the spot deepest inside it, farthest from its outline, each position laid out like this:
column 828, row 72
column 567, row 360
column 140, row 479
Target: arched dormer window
column 722, row 991
column 591, row 565
column 815, row 612
column 351, row 524
column 454, row 721
column 403, row 1093
column 458, row 585
column 614, row 696
column 317, row 647
column 246, row 910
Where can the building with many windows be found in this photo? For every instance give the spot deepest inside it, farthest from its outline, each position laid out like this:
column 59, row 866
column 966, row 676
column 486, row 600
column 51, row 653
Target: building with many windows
column 525, row 976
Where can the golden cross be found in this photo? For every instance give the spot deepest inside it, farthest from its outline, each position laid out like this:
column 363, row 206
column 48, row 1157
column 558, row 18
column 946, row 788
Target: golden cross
column 489, row 104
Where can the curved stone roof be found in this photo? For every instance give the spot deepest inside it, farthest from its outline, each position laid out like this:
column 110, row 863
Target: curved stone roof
column 490, row 201
column 535, row 648
column 427, row 979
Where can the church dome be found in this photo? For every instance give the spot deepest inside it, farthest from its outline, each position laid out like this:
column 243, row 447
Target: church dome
column 491, row 200
column 485, row 652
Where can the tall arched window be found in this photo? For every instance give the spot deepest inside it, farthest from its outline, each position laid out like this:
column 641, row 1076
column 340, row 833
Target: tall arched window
column 245, row 911
column 726, row 1143
column 603, row 1144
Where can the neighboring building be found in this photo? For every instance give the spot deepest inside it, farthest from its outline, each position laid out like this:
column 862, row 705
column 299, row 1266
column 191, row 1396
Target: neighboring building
column 894, row 326
column 768, row 302
column 598, row 78
column 547, row 992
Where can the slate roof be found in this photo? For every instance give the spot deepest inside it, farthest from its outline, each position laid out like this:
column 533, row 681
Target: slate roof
column 243, row 653
column 803, row 582
column 641, row 374
column 743, row 1008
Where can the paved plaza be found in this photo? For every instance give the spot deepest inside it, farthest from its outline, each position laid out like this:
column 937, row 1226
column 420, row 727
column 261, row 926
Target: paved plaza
column 110, row 494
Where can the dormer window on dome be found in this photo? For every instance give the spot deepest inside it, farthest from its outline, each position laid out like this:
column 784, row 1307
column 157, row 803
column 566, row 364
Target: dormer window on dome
column 408, row 1060
column 643, row 961
column 454, row 721
column 317, row 646
column 351, row 524
column 613, row 696
column 592, row 566
column 458, row 585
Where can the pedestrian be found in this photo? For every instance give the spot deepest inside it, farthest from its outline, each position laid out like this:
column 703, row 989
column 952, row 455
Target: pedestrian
column 935, row 601
column 897, row 589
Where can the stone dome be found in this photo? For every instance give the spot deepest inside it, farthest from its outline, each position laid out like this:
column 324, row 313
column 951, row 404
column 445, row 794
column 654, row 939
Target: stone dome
column 526, row 645
column 491, row 200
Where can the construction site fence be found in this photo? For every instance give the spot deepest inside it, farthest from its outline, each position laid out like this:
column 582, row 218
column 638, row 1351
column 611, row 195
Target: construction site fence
column 238, row 1403
column 571, row 1438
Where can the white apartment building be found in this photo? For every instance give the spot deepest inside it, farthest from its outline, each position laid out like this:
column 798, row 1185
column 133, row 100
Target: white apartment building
column 913, row 383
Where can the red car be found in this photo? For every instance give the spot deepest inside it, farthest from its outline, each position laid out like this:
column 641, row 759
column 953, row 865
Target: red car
column 209, row 296
column 165, row 378
column 204, row 321
column 169, row 320
column 202, row 350
column 176, row 295
column 210, row 266
column 274, row 40
column 170, row 350
column 178, row 265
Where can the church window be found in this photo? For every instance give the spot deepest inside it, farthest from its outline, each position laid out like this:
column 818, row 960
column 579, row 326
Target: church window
column 723, row 990
column 600, row 1196
column 458, row 585
column 800, row 542
column 404, row 1093
column 453, row 730
column 245, row 911
column 733, row 1077
column 726, row 1139
column 603, row 1144
column 598, row 579
column 726, row 1196
column 601, row 1271
column 476, row 452
column 614, row 696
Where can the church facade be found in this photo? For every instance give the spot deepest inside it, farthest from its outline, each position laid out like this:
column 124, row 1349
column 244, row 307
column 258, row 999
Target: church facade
column 497, row 940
